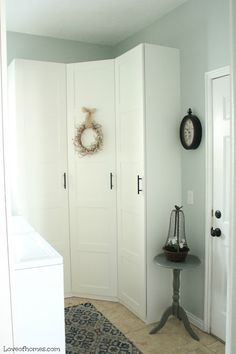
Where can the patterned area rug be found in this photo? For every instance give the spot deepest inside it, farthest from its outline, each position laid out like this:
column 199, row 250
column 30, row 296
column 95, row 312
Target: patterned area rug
column 88, row 331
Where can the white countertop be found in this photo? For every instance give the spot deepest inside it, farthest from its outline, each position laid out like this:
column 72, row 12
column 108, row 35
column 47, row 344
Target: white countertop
column 30, row 248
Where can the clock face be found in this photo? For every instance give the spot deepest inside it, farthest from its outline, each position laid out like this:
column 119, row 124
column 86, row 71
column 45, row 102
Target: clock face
column 188, row 132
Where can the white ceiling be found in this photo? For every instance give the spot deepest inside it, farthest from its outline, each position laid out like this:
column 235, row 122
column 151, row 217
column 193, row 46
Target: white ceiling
column 94, row 21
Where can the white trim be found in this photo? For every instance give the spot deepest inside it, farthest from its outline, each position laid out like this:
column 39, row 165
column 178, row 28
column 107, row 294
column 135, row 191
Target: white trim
column 209, row 77
column 92, row 297
column 196, row 321
column 231, row 290
column 142, row 318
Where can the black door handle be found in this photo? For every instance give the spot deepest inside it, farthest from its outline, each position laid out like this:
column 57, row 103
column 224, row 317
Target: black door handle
column 215, row 232
column 111, row 180
column 64, row 177
column 138, row 184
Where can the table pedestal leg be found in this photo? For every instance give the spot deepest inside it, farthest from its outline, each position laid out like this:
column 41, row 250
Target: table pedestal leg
column 176, row 288
column 184, row 318
column 163, row 320
column 175, row 310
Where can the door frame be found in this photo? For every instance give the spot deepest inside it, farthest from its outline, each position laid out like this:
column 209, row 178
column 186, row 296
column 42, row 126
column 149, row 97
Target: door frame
column 231, row 301
column 209, row 77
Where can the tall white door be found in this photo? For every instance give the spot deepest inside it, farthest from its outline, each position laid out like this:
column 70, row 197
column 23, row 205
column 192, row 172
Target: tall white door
column 37, row 104
column 92, row 181
column 221, row 202
column 131, row 184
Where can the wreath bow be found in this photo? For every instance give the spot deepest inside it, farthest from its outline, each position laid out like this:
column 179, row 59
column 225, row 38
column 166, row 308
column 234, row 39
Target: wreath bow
column 88, row 124
column 89, row 116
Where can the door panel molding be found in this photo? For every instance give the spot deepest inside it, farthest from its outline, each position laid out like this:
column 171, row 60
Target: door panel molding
column 209, row 77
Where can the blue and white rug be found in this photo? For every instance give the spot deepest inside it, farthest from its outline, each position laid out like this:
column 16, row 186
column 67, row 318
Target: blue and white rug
column 89, row 332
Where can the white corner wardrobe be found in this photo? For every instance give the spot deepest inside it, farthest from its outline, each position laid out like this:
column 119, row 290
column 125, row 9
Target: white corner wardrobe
column 107, row 214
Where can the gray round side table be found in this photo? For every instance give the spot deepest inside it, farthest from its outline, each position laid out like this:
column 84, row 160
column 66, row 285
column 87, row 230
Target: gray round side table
column 175, row 309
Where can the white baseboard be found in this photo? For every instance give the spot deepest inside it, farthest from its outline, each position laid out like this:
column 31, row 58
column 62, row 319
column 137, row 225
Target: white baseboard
column 196, row 321
column 92, row 297
column 131, row 310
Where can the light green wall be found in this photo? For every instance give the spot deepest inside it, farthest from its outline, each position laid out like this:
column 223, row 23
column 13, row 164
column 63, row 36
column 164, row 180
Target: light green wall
column 200, row 29
column 32, row 47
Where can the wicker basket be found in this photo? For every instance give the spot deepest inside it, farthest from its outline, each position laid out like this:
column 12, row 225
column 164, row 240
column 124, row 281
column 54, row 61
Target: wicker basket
column 175, row 256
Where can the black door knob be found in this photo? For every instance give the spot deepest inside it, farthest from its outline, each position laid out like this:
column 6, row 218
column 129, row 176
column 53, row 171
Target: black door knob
column 215, row 232
column 218, row 232
column 218, row 214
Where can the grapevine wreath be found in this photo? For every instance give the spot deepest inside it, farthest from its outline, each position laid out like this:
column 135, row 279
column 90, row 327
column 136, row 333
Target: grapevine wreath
column 97, row 129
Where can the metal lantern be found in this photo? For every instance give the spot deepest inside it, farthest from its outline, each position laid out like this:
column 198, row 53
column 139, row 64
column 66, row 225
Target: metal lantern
column 176, row 248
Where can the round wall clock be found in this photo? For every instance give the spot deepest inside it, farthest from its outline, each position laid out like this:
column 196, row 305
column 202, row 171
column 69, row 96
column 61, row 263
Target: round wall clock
column 190, row 131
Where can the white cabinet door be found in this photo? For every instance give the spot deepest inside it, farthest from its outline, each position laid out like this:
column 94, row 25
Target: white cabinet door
column 130, row 169
column 39, row 135
column 92, row 201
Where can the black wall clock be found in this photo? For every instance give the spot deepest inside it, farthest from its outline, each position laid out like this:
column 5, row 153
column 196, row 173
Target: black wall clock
column 190, row 131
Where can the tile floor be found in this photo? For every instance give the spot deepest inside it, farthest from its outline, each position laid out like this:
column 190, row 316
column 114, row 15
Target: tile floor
column 172, row 339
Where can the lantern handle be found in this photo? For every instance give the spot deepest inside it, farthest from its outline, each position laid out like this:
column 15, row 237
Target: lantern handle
column 178, row 208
